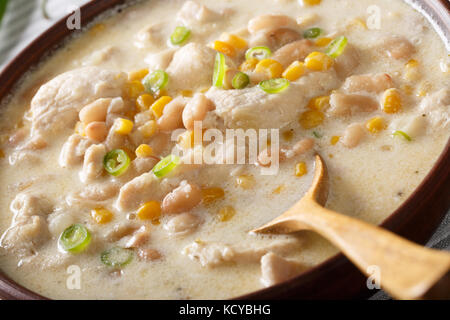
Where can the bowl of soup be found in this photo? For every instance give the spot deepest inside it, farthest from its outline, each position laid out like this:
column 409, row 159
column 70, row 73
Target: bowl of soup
column 137, row 152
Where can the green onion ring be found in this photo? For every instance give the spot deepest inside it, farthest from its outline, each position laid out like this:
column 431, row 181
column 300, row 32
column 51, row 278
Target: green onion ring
column 337, row 47
column 75, row 238
column 155, row 81
column 116, row 162
column 165, row 166
column 259, row 53
column 240, row 80
column 117, row 257
column 180, row 35
column 220, row 69
column 274, row 85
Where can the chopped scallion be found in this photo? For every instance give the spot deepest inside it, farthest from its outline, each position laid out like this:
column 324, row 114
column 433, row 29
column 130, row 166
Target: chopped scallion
column 180, row 35
column 156, row 81
column 75, row 238
column 165, row 166
column 240, row 80
column 312, row 33
column 401, row 134
column 116, row 162
column 259, row 53
column 117, row 257
column 337, row 47
column 219, row 70
column 274, row 85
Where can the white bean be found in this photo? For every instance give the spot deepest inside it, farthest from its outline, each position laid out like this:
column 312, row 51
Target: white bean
column 353, row 135
column 270, row 22
column 171, row 118
column 182, row 199
column 96, row 131
column 196, row 110
column 96, row 111
column 181, row 224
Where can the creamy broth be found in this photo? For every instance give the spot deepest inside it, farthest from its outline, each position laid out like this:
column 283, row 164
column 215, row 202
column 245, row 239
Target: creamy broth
column 213, row 256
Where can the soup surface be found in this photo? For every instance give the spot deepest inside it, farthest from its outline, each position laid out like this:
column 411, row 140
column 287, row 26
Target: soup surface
column 118, row 176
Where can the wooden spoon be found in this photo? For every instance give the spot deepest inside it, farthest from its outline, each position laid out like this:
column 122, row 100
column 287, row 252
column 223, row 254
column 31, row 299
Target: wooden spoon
column 407, row 270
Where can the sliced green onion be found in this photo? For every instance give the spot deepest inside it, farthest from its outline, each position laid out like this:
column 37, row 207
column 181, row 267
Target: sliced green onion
column 259, row 53
column 240, row 80
column 180, row 35
column 401, row 134
column 75, row 238
column 337, row 47
column 274, row 85
column 317, row 134
column 219, row 70
column 165, row 166
column 312, row 33
column 117, row 257
column 3, row 5
column 116, row 162
column 156, row 81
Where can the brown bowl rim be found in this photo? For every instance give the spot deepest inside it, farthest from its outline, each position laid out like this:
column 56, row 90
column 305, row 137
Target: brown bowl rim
column 436, row 179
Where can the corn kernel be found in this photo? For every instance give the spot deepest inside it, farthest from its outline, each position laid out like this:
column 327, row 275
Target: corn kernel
column 187, row 93
column 144, row 101
column 225, row 48
column 278, row 189
column 159, row 105
column 234, row 41
column 411, row 70
column 319, row 103
column 149, row 129
column 334, row 140
column 137, row 75
column 301, row 169
column 149, row 211
column 376, row 125
column 392, row 102
column 311, row 2
column 144, row 151
column 407, row 89
column 424, row 89
column 226, row 213
column 323, row 42
column 318, row 61
column 311, row 119
column 273, row 69
column 245, row 181
column 288, row 135
column 248, row 65
column 211, row 195
column 96, row 29
column 357, row 22
column 123, row 126
column 186, row 139
column 134, row 89
column 294, row 71
column 79, row 128
column 101, row 215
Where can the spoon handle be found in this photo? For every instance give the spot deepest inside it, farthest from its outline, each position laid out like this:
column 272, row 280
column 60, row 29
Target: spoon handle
column 404, row 269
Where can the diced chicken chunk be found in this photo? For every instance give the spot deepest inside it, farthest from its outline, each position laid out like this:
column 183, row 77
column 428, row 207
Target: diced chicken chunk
column 437, row 108
column 57, row 103
column 269, row 22
column 73, row 150
column 160, row 60
column 347, row 62
column 275, row 269
column 192, row 67
column 215, row 254
column 193, row 13
column 99, row 192
column 253, row 108
column 369, row 83
column 347, row 104
column 29, row 228
column 397, row 47
column 93, row 163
